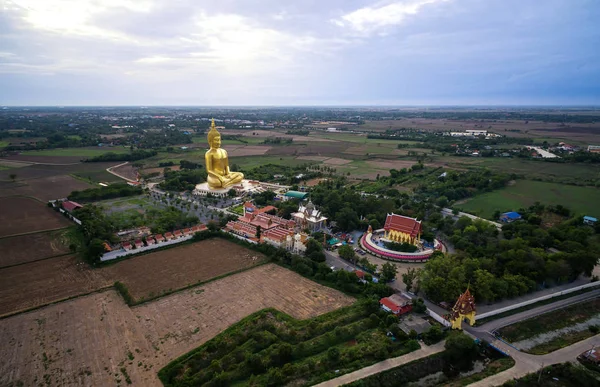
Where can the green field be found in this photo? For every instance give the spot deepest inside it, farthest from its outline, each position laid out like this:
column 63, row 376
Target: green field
column 3, row 144
column 80, row 152
column 249, row 162
column 350, row 137
column 582, row 200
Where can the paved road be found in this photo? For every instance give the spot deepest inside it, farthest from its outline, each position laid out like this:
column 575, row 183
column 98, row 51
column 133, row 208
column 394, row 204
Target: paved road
column 501, row 322
column 333, row 260
column 384, row 365
column 526, row 363
column 448, row 212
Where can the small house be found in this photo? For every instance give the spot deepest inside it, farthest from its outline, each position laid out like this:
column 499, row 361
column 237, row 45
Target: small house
column 71, row 206
column 509, row 217
column 589, row 220
column 397, row 304
column 168, row 236
column 159, row 238
column 138, row 243
column 177, row 234
column 126, row 246
column 150, row 241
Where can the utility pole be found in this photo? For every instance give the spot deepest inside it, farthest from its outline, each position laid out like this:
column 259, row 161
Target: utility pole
column 540, row 374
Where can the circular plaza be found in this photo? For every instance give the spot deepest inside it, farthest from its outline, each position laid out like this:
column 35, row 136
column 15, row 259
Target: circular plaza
column 374, row 243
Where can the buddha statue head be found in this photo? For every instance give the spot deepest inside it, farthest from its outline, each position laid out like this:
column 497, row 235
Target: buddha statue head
column 214, row 137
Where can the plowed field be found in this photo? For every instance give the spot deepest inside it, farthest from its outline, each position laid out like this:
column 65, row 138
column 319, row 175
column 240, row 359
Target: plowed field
column 39, row 283
column 152, row 274
column 27, row 248
column 20, row 215
column 42, row 282
column 97, row 340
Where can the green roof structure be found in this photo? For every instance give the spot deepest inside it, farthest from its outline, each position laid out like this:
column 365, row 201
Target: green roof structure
column 296, row 194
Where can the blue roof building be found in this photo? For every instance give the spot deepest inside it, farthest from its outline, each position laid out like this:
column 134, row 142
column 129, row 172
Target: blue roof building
column 508, row 217
column 589, row 220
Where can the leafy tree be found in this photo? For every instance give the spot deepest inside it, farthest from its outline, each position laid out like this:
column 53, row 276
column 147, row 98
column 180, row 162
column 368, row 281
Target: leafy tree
column 13, row 176
column 409, row 277
column 346, row 252
column 461, row 352
column 347, row 219
column 333, row 354
column 388, row 272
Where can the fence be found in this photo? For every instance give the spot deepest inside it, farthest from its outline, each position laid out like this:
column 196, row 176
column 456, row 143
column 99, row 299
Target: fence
column 529, row 302
column 123, row 253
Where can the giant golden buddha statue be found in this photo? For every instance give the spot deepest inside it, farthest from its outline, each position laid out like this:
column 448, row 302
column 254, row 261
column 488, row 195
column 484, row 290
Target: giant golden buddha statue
column 217, row 163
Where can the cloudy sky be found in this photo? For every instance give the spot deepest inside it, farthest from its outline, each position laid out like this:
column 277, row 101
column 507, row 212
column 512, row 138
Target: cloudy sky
column 299, row 52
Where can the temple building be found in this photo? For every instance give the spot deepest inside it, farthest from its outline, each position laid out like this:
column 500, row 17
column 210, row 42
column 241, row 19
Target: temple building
column 402, row 229
column 308, row 217
column 464, row 308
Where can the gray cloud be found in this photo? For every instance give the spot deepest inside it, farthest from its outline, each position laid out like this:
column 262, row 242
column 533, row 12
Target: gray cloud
column 309, row 51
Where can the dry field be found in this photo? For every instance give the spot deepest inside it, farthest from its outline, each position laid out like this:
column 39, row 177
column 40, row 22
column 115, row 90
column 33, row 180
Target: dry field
column 337, row 161
column 395, row 164
column 38, row 283
column 52, row 187
column 152, row 274
column 312, row 158
column 36, row 171
column 20, row 215
column 33, row 247
column 246, row 150
column 160, row 169
column 127, row 171
column 97, row 340
column 58, row 160
column 42, row 282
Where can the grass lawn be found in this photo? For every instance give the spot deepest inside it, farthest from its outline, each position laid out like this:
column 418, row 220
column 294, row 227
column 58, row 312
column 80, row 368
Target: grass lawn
column 551, row 321
column 582, row 200
column 239, row 209
column 81, row 152
column 3, row 144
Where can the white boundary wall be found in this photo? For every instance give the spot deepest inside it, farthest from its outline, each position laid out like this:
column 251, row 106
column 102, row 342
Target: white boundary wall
column 123, row 253
column 529, row 302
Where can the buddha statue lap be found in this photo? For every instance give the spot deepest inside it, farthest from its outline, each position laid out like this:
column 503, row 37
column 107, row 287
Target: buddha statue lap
column 217, row 163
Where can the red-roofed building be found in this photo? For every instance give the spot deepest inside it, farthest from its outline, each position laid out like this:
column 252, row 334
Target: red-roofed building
column 397, row 306
column 278, row 237
column 168, row 236
column 177, row 234
column 402, row 229
column 266, row 221
column 361, row 275
column 150, row 241
column 159, row 238
column 126, row 246
column 241, row 228
column 71, row 206
column 187, row 231
column 138, row 243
